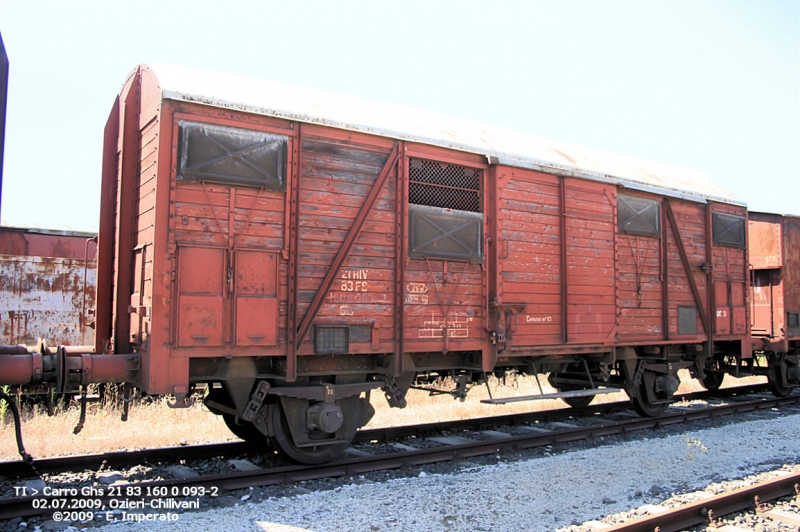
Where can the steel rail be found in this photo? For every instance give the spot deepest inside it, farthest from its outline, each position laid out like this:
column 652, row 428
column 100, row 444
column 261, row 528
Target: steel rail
column 117, row 459
column 23, row 506
column 704, row 511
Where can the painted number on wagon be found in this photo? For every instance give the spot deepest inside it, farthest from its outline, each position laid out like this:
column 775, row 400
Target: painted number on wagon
column 354, row 280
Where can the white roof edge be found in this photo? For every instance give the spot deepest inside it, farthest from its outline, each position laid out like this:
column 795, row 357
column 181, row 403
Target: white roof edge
column 498, row 144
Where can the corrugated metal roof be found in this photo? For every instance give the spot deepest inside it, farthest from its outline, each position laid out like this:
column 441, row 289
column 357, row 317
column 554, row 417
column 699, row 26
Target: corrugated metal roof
column 498, row 144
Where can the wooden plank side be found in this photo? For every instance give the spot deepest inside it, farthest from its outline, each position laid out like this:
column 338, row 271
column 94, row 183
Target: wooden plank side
column 337, row 176
column 690, row 218
column 529, row 249
column 246, row 224
column 791, row 275
column 590, row 211
column 443, row 300
column 730, row 279
column 639, row 287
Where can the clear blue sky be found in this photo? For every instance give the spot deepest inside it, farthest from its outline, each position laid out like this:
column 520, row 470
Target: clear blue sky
column 712, row 85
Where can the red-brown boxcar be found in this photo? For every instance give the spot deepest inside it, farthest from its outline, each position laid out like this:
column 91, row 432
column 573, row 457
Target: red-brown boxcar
column 296, row 249
column 775, row 301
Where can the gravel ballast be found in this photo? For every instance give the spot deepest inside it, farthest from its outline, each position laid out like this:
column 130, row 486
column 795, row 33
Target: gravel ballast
column 537, row 495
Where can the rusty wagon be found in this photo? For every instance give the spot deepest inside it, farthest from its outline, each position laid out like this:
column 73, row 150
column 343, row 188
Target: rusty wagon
column 295, row 250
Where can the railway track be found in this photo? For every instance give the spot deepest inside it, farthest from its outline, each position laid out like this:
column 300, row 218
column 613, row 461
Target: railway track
column 708, row 510
column 393, row 455
column 119, row 459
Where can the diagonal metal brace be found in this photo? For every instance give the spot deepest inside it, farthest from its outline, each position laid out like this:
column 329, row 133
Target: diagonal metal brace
column 688, row 269
column 347, row 245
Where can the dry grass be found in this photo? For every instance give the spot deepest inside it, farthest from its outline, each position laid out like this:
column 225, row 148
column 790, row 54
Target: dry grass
column 157, row 425
column 148, row 425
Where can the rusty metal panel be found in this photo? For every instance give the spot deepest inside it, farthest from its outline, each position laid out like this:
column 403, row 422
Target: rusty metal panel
column 34, row 242
column 764, row 243
column 44, row 298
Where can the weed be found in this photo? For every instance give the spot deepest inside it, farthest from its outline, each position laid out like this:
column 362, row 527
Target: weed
column 4, row 405
column 694, row 448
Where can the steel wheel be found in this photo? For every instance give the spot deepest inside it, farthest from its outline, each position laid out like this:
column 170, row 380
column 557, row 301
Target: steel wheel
column 244, row 430
column 642, row 404
column 777, row 368
column 713, row 380
column 284, row 442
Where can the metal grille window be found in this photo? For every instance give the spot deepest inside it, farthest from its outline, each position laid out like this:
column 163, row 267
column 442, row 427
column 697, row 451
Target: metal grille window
column 233, row 156
column 639, row 216
column 331, row 340
column 444, row 215
column 728, row 230
column 444, row 185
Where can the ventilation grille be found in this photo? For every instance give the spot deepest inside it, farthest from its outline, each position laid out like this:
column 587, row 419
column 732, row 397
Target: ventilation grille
column 331, row 340
column 447, row 186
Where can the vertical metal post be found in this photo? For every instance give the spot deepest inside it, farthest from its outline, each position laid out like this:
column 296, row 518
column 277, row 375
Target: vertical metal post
column 293, row 238
column 664, row 275
column 563, row 243
column 401, row 245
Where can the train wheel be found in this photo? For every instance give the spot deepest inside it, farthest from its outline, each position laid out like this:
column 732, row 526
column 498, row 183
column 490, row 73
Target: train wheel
column 713, row 380
column 315, row 454
column 576, row 402
column 642, row 402
column 244, row 430
column 777, row 368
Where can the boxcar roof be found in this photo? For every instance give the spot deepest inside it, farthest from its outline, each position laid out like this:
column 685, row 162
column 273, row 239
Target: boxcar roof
column 499, row 145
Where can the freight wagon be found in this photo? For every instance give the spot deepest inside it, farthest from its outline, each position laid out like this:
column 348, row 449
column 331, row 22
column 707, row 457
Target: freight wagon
column 47, row 280
column 296, row 249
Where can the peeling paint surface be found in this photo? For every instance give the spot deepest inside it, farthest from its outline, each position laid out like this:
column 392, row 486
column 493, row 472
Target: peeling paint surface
column 42, row 297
